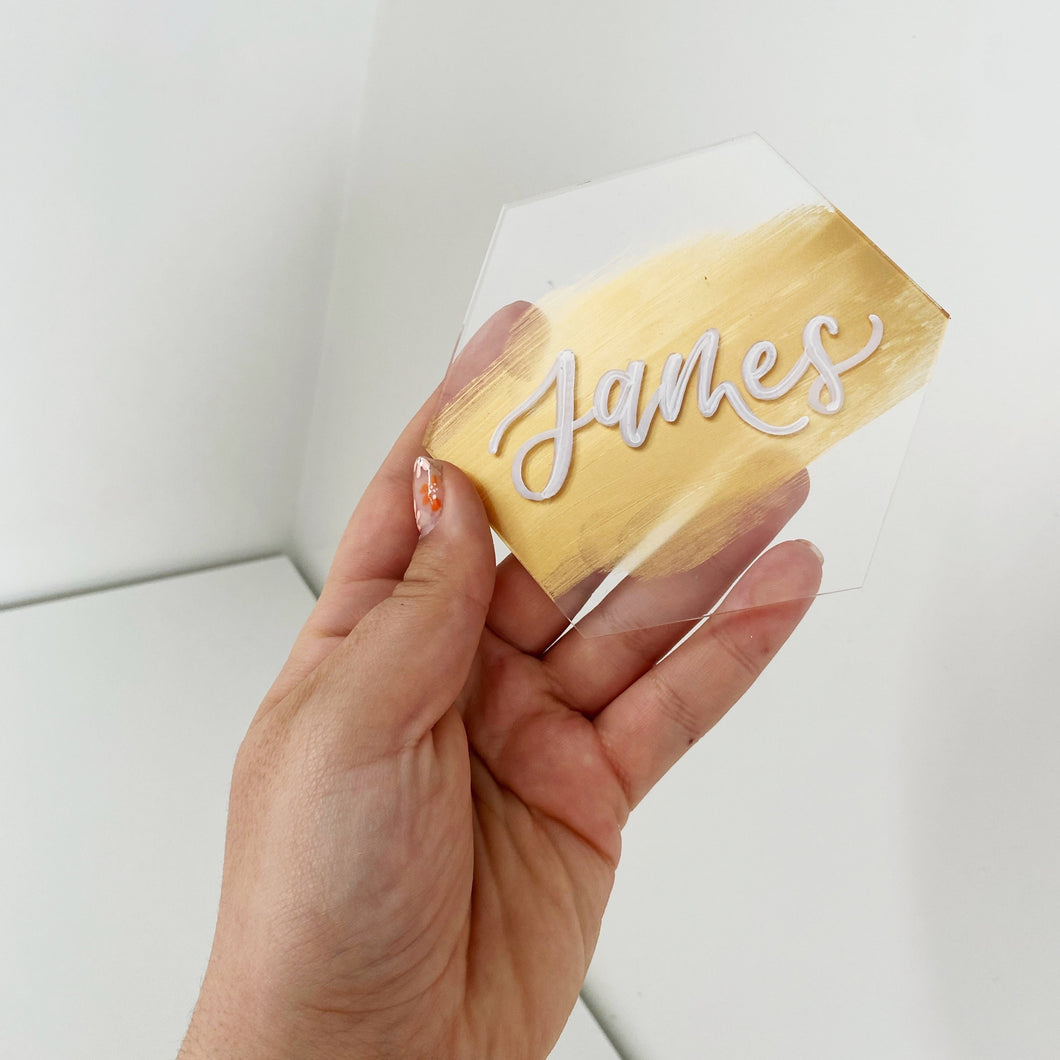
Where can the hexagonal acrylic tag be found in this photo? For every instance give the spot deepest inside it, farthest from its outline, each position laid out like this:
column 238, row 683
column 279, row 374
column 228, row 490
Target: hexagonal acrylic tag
column 663, row 372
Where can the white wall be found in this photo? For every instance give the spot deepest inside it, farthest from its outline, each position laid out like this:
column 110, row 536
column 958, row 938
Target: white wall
column 170, row 187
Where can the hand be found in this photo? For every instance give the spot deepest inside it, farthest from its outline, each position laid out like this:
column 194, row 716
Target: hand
column 426, row 811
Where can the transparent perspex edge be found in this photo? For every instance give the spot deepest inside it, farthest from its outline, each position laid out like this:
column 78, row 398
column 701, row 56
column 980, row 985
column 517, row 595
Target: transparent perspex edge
column 651, row 531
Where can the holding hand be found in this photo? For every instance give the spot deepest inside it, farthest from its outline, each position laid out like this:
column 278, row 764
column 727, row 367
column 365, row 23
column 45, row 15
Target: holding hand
column 425, row 814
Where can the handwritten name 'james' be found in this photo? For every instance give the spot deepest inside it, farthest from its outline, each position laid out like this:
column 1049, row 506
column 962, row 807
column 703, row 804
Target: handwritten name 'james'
column 616, row 399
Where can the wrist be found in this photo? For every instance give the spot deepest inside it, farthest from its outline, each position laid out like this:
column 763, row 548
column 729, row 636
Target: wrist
column 234, row 1021
column 220, row 1031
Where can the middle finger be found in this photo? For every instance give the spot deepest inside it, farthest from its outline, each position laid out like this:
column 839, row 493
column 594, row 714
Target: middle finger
column 591, row 665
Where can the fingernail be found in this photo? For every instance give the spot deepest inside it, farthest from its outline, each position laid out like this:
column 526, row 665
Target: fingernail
column 426, row 494
column 814, row 549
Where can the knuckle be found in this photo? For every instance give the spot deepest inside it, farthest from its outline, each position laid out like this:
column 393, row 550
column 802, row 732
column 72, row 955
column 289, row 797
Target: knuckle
column 622, row 776
column 681, row 711
column 437, row 585
column 747, row 655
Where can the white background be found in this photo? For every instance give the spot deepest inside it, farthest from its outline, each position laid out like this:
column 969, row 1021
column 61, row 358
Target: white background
column 862, row 860
column 114, row 782
column 171, row 183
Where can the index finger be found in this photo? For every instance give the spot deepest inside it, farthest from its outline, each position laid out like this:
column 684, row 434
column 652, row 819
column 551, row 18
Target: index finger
column 655, row 721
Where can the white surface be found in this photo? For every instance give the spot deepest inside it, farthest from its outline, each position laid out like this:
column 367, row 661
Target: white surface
column 122, row 712
column 864, row 868
column 170, row 185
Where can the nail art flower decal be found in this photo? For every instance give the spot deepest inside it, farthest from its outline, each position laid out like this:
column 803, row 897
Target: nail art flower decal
column 427, row 494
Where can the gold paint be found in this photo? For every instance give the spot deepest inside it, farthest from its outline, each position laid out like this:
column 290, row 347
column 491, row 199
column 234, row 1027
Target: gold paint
column 696, row 483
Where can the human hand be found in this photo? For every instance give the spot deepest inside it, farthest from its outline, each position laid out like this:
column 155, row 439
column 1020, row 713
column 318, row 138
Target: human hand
column 425, row 813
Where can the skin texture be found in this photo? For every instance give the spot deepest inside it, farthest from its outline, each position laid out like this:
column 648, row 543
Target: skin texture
column 426, row 811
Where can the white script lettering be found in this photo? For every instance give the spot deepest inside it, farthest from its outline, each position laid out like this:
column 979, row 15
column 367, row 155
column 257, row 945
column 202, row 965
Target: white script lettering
column 616, row 399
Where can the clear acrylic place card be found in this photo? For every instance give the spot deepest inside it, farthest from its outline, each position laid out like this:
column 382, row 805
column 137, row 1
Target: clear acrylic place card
column 695, row 358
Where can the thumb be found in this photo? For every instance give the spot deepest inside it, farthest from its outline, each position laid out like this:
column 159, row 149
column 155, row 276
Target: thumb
column 412, row 653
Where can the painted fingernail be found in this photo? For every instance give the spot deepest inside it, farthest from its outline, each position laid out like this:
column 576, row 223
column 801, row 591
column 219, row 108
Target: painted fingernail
column 426, row 494
column 814, row 549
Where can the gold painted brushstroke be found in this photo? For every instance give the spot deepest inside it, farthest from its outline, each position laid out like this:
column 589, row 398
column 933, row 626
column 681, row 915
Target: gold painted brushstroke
column 697, row 483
